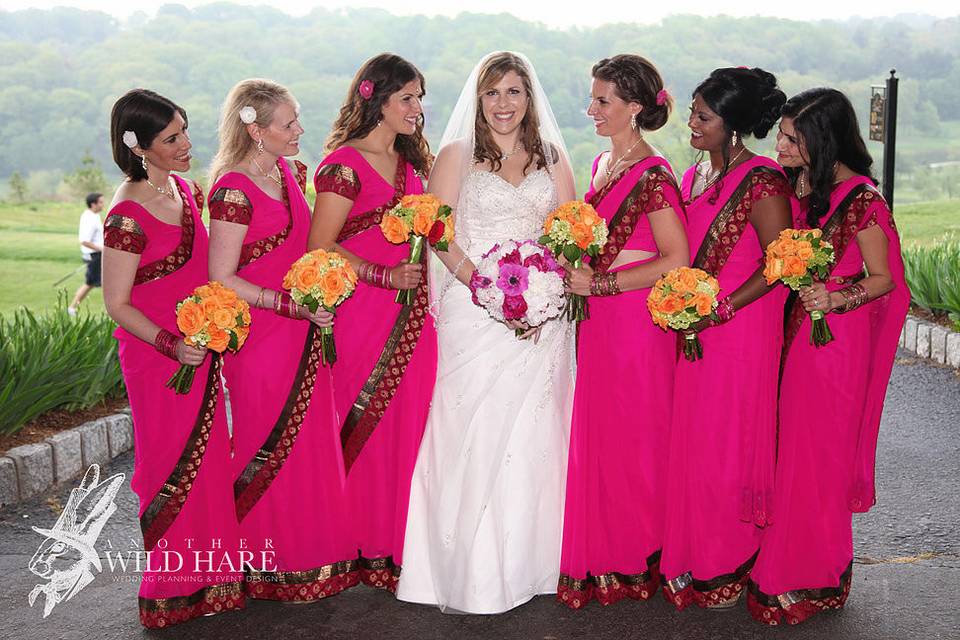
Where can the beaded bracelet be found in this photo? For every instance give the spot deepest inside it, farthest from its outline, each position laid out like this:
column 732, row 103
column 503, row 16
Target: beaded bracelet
column 166, row 343
column 375, row 274
column 724, row 311
column 284, row 305
column 604, row 284
column 853, row 296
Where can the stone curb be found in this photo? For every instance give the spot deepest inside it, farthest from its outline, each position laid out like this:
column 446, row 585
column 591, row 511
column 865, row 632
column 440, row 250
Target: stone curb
column 932, row 341
column 31, row 469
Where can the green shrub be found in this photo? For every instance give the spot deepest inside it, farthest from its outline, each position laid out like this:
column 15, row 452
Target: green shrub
column 933, row 275
column 54, row 361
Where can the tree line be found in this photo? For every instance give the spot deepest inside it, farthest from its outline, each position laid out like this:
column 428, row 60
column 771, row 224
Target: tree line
column 64, row 68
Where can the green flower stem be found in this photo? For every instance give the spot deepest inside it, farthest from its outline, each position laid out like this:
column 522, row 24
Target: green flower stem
column 406, row 296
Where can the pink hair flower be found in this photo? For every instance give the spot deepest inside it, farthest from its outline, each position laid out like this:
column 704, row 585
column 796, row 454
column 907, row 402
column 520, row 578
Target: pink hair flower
column 366, row 89
column 662, row 97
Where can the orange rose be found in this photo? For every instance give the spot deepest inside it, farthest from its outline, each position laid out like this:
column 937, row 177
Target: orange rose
column 333, row 286
column 423, row 219
column 225, row 318
column 190, row 318
column 703, row 304
column 394, row 229
column 773, row 270
column 581, row 234
column 670, row 305
column 804, row 251
column 307, row 277
column 794, row 266
column 203, row 291
column 686, row 280
column 219, row 339
column 590, row 217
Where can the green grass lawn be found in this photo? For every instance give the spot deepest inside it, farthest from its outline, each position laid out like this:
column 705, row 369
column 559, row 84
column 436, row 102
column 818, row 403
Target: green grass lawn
column 38, row 246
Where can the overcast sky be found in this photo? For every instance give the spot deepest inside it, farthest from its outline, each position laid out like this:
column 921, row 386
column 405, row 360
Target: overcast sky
column 559, row 14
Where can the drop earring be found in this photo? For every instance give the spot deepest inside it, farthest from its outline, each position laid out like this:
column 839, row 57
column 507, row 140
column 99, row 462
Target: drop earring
column 734, row 139
column 143, row 162
column 260, row 146
column 633, row 122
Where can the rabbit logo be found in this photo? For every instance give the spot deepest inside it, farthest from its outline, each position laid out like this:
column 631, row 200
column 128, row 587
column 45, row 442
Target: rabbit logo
column 67, row 556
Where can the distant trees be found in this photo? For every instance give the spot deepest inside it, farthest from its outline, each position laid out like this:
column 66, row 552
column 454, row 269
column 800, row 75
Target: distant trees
column 65, row 67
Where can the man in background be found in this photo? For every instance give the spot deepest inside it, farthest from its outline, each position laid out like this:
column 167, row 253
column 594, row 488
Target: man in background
column 91, row 248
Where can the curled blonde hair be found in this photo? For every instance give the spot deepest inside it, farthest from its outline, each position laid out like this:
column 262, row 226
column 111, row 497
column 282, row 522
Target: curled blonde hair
column 235, row 142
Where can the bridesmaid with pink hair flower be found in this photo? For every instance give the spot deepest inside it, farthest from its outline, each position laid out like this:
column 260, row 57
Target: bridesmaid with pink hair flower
column 613, row 520
column 387, row 363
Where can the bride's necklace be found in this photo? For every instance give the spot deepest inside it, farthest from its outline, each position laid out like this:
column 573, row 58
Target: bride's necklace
column 276, row 178
column 516, row 147
column 165, row 190
column 612, row 166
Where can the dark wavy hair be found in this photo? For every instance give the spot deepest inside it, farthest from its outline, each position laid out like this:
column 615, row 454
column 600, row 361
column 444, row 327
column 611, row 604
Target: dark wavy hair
column 747, row 100
column 358, row 116
column 146, row 113
column 636, row 80
column 827, row 124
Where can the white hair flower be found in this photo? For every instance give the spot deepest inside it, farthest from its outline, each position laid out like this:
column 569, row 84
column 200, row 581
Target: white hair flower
column 248, row 115
column 130, row 139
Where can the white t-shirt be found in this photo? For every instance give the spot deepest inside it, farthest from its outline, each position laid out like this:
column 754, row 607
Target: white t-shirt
column 91, row 230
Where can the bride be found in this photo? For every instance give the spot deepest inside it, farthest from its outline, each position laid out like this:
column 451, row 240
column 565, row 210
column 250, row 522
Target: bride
column 486, row 505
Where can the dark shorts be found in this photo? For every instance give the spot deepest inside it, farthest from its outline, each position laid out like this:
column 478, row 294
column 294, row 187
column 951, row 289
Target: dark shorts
column 93, row 270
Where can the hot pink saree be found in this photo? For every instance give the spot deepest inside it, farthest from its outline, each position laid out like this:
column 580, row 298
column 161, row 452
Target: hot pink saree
column 722, row 444
column 385, row 369
column 613, row 519
column 181, row 452
column 826, row 453
column 287, row 468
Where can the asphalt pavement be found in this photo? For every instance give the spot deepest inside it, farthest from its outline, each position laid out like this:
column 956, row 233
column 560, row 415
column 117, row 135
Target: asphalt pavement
column 906, row 579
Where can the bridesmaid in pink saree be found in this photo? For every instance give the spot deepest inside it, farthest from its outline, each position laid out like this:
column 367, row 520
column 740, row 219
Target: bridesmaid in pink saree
column 831, row 397
column 613, row 519
column 722, row 444
column 387, row 361
column 288, row 472
column 155, row 255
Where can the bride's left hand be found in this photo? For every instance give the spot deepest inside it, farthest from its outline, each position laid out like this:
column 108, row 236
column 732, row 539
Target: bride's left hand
column 531, row 333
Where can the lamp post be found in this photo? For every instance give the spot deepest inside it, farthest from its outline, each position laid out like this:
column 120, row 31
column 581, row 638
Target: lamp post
column 883, row 128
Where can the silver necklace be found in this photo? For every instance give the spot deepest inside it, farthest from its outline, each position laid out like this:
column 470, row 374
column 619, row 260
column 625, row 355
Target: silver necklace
column 505, row 156
column 612, row 166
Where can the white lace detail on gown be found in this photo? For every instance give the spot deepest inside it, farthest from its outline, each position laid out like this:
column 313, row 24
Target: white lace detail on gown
column 486, row 506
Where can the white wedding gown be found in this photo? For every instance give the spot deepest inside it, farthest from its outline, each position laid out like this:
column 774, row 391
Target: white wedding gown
column 486, row 505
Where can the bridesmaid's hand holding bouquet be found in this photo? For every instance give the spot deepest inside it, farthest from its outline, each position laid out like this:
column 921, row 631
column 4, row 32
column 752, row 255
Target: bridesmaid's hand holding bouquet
column 795, row 258
column 682, row 298
column 321, row 279
column 573, row 230
column 212, row 317
column 415, row 219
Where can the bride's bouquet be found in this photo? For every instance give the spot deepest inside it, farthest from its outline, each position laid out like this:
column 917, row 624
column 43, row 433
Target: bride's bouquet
column 519, row 281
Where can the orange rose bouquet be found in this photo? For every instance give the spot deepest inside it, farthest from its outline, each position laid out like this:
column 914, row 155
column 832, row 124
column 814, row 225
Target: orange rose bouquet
column 321, row 279
column 682, row 298
column 416, row 218
column 795, row 258
column 215, row 317
column 575, row 229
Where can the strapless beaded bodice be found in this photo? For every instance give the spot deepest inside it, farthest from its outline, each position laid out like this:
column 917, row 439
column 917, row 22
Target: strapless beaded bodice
column 491, row 210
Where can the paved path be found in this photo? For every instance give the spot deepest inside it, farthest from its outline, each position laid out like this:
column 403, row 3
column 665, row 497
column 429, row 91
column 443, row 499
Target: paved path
column 906, row 580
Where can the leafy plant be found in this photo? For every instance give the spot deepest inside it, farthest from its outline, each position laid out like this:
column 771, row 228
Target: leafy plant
column 933, row 275
column 54, row 361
